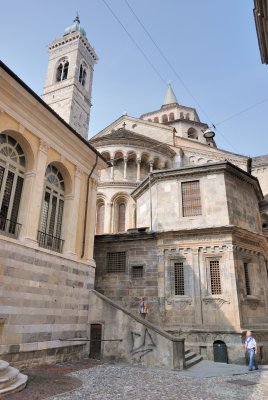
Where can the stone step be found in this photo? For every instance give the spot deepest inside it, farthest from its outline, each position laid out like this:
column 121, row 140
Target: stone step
column 190, row 363
column 16, row 386
column 189, row 355
column 9, row 377
column 3, row 367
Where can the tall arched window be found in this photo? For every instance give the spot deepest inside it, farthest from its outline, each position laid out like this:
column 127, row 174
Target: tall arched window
column 171, row 116
column 156, row 119
column 100, row 218
column 192, row 134
column 181, row 115
column 121, row 217
column 12, row 169
column 49, row 235
column 187, row 116
column 62, row 71
column 82, row 75
column 164, row 118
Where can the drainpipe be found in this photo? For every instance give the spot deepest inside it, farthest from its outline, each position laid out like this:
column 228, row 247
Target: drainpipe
column 85, row 217
column 151, row 210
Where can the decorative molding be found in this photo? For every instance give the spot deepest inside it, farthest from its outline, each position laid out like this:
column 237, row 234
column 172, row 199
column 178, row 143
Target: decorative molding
column 252, row 302
column 44, row 146
column 179, row 303
column 215, row 302
column 21, row 129
column 78, row 172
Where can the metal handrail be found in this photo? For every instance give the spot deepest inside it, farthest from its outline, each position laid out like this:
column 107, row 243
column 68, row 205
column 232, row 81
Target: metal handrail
column 50, row 242
column 9, row 228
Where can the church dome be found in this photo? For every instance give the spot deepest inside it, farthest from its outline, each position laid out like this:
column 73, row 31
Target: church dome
column 75, row 27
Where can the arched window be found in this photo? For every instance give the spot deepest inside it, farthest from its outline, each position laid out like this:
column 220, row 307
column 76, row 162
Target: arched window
column 62, row 71
column 121, row 217
column 164, row 118
column 49, row 235
column 181, row 115
column 149, row 120
column 82, row 75
column 156, row 119
column 171, row 116
column 100, row 218
column 187, row 116
column 12, row 169
column 192, row 134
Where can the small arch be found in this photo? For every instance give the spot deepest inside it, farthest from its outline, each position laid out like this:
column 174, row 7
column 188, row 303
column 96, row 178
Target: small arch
column 192, row 134
column 27, row 148
column 156, row 119
column 82, row 73
column 164, row 118
column 100, row 217
column 187, row 116
column 181, row 115
column 62, row 70
column 171, row 116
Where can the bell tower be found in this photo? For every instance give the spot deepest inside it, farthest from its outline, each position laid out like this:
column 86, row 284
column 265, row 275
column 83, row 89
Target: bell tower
column 68, row 84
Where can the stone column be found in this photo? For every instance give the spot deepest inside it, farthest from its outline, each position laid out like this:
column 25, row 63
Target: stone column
column 138, row 169
column 107, row 218
column 125, row 168
column 151, row 165
column 33, row 195
column 112, row 170
column 72, row 204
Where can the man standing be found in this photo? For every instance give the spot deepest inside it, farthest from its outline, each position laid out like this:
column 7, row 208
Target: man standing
column 251, row 349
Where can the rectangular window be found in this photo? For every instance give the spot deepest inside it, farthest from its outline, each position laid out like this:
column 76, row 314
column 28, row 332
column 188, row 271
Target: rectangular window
column 215, row 277
column 116, row 262
column 179, row 279
column 247, row 280
column 191, row 199
column 137, row 271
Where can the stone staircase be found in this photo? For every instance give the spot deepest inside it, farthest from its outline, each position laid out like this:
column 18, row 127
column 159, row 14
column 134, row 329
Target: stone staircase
column 11, row 380
column 191, row 358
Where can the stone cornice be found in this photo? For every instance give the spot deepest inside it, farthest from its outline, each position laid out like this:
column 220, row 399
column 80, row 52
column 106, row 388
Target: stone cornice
column 193, row 172
column 118, row 184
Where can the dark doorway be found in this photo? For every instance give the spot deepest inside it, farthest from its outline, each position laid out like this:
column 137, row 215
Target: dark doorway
column 95, row 341
column 220, row 352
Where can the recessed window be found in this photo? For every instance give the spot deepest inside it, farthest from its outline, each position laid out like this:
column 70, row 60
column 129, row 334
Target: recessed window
column 247, row 279
column 62, row 71
column 191, row 199
column 137, row 271
column 179, row 278
column 116, row 262
column 215, row 277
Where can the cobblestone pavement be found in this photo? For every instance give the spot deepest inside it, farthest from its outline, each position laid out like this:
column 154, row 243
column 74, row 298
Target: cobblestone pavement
column 120, row 382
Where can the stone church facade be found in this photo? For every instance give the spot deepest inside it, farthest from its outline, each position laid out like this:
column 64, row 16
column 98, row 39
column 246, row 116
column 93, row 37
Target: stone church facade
column 189, row 235
column 176, row 220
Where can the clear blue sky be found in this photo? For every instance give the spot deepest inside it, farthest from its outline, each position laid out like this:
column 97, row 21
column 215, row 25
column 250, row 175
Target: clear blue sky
column 212, row 44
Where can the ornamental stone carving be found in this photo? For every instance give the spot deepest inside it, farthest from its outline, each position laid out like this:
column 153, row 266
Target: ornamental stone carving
column 215, row 302
column 44, row 146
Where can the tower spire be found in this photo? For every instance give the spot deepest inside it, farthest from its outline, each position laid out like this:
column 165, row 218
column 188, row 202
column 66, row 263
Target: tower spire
column 170, row 96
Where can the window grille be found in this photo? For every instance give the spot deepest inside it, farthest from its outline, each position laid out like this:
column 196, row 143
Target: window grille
column 100, row 219
column 52, row 210
column 179, row 278
column 215, row 277
column 12, row 167
column 137, row 271
column 116, row 262
column 121, row 217
column 191, row 199
column 247, row 280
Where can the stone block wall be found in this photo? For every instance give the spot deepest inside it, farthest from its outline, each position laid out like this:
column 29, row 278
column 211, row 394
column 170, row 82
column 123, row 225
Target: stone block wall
column 43, row 299
column 133, row 340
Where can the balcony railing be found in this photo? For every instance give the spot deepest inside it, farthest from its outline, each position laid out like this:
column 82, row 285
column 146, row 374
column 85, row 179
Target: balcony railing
column 50, row 242
column 9, row 228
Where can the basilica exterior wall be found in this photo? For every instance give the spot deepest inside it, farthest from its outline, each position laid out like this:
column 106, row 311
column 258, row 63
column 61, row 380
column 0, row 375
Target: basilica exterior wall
column 44, row 300
column 193, row 305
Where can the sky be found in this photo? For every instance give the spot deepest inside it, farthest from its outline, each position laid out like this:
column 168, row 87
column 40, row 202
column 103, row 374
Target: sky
column 212, row 45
